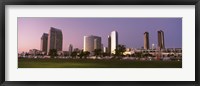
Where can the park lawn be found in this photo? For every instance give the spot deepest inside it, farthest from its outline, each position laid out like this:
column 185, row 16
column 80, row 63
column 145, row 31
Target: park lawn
column 91, row 63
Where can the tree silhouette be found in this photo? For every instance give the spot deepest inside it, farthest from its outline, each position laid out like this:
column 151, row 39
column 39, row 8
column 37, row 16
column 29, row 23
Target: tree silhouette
column 139, row 54
column 74, row 54
column 120, row 50
column 97, row 52
column 52, row 53
column 86, row 53
column 105, row 54
column 81, row 54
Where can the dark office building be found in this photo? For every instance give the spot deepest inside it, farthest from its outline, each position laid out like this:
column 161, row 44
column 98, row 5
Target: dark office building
column 146, row 40
column 44, row 42
column 109, row 44
column 161, row 42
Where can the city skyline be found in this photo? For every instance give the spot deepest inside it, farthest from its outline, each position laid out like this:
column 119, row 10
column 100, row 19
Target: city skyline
column 74, row 29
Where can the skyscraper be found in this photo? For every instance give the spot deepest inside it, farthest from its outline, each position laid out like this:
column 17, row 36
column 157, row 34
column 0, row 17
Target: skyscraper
column 102, row 47
column 44, row 42
column 161, row 42
column 114, row 41
column 55, row 39
column 91, row 43
column 70, row 49
column 153, row 46
column 146, row 40
column 109, row 44
column 105, row 49
column 97, row 42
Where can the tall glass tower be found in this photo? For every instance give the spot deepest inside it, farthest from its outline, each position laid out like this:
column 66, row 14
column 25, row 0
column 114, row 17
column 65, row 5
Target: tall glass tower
column 109, row 44
column 55, row 39
column 146, row 40
column 161, row 42
column 44, row 42
column 91, row 43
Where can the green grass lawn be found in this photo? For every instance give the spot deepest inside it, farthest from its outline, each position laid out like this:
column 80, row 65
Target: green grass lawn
column 90, row 63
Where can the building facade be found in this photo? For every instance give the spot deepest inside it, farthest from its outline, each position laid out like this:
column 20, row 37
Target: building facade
column 91, row 43
column 44, row 42
column 161, row 42
column 146, row 40
column 97, row 42
column 70, row 49
column 109, row 44
column 55, row 39
column 105, row 50
column 114, row 41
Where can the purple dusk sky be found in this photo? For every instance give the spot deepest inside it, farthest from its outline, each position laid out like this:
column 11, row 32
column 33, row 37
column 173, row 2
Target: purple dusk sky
column 130, row 30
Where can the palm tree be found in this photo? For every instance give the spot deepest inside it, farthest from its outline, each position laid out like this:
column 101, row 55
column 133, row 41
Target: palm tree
column 120, row 50
column 86, row 53
column 81, row 54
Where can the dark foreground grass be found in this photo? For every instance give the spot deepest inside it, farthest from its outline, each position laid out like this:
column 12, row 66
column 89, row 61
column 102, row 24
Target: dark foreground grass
column 90, row 63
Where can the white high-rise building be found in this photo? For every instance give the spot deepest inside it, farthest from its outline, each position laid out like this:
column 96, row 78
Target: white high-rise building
column 114, row 41
column 153, row 46
column 91, row 43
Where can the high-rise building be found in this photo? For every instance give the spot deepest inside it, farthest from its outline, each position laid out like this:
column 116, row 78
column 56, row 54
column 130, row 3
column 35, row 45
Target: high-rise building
column 55, row 39
column 109, row 44
column 44, row 42
column 102, row 47
column 70, row 49
column 161, row 42
column 114, row 41
column 97, row 42
column 91, row 43
column 153, row 46
column 146, row 40
column 105, row 49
